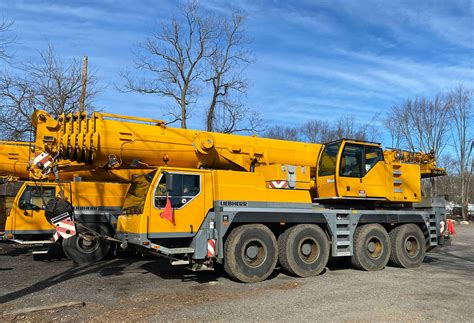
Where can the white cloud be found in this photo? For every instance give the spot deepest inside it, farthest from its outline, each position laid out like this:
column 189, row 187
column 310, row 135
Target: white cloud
column 406, row 19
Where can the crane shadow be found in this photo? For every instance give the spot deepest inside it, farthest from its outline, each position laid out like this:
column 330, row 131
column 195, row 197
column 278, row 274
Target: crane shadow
column 117, row 267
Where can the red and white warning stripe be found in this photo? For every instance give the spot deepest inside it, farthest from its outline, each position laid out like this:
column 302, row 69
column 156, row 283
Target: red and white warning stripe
column 211, row 248
column 42, row 161
column 66, row 228
column 56, row 236
column 278, row 184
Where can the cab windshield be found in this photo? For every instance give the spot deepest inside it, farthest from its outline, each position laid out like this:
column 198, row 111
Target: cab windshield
column 327, row 163
column 136, row 195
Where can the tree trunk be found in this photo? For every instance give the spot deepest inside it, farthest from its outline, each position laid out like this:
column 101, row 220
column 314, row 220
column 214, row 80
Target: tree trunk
column 183, row 111
column 211, row 113
column 434, row 186
column 210, row 118
column 464, row 196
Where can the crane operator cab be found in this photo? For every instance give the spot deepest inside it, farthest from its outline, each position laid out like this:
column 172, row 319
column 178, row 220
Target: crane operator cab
column 352, row 169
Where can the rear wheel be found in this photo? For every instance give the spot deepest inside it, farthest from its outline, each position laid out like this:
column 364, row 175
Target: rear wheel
column 250, row 253
column 56, row 251
column 371, row 247
column 408, row 246
column 86, row 247
column 303, row 250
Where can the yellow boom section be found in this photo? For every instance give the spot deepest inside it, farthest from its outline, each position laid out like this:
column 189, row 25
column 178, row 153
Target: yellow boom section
column 14, row 157
column 109, row 140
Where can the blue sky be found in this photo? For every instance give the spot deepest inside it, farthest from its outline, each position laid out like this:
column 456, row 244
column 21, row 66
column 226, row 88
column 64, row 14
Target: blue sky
column 313, row 59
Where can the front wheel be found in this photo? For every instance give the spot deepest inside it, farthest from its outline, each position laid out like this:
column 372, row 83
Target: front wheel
column 250, row 253
column 86, row 247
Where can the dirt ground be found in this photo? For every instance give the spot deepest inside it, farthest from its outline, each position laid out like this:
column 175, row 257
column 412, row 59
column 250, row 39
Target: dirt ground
column 150, row 289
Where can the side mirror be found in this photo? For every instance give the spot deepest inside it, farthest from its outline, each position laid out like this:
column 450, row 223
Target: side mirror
column 169, row 182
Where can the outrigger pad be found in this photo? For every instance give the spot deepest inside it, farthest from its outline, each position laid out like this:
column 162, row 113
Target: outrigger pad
column 57, row 209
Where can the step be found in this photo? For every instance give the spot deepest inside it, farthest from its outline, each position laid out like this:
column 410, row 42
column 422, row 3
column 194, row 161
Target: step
column 40, row 252
column 200, row 267
column 343, row 232
column 343, row 243
column 175, row 251
column 33, row 242
column 180, row 262
column 171, row 251
column 343, row 253
column 342, row 221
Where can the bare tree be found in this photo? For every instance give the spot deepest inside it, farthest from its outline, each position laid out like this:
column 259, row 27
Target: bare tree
column 50, row 84
column 171, row 59
column 284, row 133
column 420, row 124
column 318, row 131
column 17, row 103
column 56, row 84
column 6, row 39
column 225, row 113
column 398, row 121
column 461, row 112
column 347, row 128
column 392, row 124
column 448, row 185
column 235, row 117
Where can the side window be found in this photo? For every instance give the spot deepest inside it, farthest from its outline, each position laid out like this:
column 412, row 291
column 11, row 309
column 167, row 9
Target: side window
column 327, row 163
column 185, row 188
column 33, row 196
column 372, row 156
column 351, row 161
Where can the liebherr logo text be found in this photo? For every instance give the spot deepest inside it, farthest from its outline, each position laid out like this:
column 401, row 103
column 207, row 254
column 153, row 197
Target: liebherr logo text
column 233, row 203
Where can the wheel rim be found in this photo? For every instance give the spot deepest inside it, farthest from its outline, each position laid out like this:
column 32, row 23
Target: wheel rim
column 412, row 247
column 88, row 245
column 374, row 247
column 254, row 253
column 308, row 250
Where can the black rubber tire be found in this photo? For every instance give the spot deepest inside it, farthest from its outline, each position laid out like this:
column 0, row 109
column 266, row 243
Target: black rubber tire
column 367, row 237
column 55, row 251
column 75, row 249
column 292, row 257
column 415, row 254
column 237, row 262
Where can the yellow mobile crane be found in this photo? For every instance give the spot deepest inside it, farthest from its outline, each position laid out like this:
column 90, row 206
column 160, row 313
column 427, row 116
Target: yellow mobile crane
column 97, row 194
column 247, row 202
column 14, row 159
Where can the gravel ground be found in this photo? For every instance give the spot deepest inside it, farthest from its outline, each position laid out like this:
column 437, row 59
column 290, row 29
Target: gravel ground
column 150, row 289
